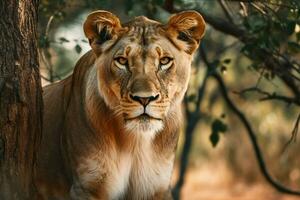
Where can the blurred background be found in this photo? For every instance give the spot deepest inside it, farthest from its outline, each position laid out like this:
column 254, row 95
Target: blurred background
column 242, row 108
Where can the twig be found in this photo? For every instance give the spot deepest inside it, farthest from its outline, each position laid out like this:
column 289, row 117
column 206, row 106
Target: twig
column 49, row 67
column 48, row 25
column 258, row 8
column 297, row 64
column 244, row 8
column 43, row 52
column 290, row 63
column 268, row 96
column 217, row 23
column 45, row 78
column 226, row 10
column 294, row 134
column 279, row 64
column 287, row 100
column 264, row 1
column 261, row 75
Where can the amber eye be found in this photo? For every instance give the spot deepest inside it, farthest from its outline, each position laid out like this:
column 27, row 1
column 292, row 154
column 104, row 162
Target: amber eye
column 121, row 62
column 165, row 62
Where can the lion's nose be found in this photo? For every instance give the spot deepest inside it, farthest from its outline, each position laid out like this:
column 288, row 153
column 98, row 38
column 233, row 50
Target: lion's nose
column 144, row 100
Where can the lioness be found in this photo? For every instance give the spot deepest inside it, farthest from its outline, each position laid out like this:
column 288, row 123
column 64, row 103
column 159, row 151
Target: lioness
column 111, row 128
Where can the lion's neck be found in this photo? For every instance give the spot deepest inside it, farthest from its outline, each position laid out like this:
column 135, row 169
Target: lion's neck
column 101, row 118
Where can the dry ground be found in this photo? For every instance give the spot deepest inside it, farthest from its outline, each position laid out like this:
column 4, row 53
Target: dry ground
column 215, row 183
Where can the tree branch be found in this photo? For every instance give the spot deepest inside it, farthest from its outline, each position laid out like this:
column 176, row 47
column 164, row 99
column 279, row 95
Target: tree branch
column 294, row 134
column 222, row 25
column 238, row 32
column 251, row 134
column 268, row 96
column 263, row 1
column 192, row 119
column 226, row 10
column 218, row 23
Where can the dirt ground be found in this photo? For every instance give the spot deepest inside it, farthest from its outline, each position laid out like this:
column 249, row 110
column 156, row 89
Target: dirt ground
column 215, row 183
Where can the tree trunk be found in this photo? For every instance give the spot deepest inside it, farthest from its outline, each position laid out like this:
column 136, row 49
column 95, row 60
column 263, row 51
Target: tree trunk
column 20, row 98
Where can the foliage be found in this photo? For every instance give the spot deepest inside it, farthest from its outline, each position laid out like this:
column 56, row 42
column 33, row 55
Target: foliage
column 217, row 128
column 271, row 32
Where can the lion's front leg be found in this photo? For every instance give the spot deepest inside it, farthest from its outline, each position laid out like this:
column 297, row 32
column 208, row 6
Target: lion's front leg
column 90, row 178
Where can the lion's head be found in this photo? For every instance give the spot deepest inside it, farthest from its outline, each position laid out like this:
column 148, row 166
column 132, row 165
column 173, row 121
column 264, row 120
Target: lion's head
column 143, row 66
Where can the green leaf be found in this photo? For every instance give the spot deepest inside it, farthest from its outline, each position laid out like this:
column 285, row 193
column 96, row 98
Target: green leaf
column 227, row 60
column 191, row 98
column 223, row 69
column 217, row 127
column 78, row 48
column 298, row 36
column 44, row 42
column 159, row 2
column 256, row 23
column 294, row 47
column 214, row 138
column 290, row 27
column 63, row 39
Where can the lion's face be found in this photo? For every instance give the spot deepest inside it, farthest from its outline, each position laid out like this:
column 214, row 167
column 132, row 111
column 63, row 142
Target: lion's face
column 143, row 67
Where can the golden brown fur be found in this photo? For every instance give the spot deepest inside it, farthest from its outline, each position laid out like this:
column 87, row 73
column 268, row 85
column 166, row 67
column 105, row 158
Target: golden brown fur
column 111, row 129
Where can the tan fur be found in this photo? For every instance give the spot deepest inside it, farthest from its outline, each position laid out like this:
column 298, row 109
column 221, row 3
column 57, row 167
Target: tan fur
column 96, row 142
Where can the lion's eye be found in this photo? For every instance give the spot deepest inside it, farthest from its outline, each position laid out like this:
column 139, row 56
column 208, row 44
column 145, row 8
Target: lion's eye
column 165, row 62
column 121, row 62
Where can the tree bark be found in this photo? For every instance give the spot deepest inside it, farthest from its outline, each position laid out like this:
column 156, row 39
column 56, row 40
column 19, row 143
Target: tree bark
column 20, row 98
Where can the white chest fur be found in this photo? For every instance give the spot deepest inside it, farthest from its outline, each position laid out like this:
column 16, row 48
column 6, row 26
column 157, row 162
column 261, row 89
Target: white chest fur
column 118, row 176
column 139, row 171
column 150, row 172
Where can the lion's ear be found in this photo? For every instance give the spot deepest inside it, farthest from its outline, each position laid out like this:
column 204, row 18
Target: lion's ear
column 187, row 26
column 101, row 26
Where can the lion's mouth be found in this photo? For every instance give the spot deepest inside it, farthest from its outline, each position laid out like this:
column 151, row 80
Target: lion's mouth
column 144, row 124
column 143, row 117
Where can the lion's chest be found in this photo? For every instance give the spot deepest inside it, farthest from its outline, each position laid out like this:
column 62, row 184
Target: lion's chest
column 136, row 175
column 149, row 173
column 139, row 174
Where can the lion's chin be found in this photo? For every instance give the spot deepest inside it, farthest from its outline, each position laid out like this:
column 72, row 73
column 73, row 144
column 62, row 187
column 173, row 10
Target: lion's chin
column 144, row 127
